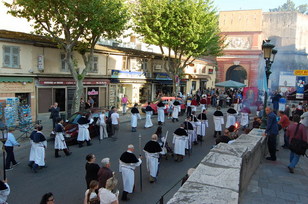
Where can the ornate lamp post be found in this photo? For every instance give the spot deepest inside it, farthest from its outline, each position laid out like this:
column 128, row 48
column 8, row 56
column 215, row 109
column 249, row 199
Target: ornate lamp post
column 269, row 55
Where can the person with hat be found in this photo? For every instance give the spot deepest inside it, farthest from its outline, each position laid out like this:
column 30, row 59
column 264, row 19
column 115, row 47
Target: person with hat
column 9, row 148
column 83, row 131
column 231, row 117
column 149, row 112
column 218, row 118
column 161, row 112
column 128, row 163
column 104, row 173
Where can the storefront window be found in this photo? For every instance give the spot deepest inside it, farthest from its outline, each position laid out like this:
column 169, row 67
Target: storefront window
column 93, row 93
column 59, row 97
column 24, row 98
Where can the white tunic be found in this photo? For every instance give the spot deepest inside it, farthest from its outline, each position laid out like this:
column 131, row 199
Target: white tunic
column 244, row 119
column 176, row 110
column 39, row 157
column 201, row 127
column 152, row 162
column 180, row 144
column 128, row 175
column 190, row 138
column 134, row 119
column 32, row 151
column 148, row 121
column 60, row 141
column 161, row 114
column 218, row 121
column 83, row 132
column 231, row 120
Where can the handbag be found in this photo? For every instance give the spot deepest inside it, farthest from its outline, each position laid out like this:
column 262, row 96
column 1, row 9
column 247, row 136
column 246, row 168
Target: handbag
column 94, row 201
column 298, row 146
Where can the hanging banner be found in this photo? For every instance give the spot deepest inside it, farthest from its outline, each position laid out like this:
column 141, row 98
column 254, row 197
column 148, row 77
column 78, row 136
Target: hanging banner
column 300, row 84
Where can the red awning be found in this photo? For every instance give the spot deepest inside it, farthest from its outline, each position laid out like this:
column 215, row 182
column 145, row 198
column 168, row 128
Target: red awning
column 70, row 81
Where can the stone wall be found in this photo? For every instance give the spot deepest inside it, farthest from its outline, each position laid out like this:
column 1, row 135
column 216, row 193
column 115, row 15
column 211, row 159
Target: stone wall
column 224, row 173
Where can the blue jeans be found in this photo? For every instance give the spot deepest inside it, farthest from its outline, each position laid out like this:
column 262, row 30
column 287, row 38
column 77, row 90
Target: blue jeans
column 294, row 158
column 124, row 108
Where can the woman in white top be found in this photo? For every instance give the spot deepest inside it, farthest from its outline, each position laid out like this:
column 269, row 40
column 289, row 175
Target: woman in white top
column 106, row 195
column 102, row 126
column 90, row 196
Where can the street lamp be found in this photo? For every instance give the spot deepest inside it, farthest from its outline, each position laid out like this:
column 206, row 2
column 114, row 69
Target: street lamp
column 269, row 54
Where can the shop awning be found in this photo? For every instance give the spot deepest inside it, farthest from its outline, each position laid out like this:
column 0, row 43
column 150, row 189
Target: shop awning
column 16, row 79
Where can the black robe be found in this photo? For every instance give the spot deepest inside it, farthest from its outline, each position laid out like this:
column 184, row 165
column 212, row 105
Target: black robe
column 128, row 158
column 180, row 132
column 202, row 116
column 83, row 120
column 134, row 110
column 218, row 113
column 38, row 137
column 231, row 111
column 176, row 103
column 32, row 134
column 148, row 108
column 160, row 104
column 188, row 126
column 152, row 147
column 59, row 128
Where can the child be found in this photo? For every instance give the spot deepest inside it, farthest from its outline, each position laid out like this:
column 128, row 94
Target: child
column 9, row 148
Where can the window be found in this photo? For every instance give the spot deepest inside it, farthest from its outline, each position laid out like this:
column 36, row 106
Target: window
column 94, row 67
column 203, row 70
column 211, row 71
column 11, row 56
column 64, row 67
column 124, row 63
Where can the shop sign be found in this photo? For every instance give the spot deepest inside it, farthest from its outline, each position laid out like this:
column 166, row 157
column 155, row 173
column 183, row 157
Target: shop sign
column 162, row 76
column 16, row 87
column 127, row 74
column 92, row 93
column 300, row 72
column 73, row 82
column 300, row 87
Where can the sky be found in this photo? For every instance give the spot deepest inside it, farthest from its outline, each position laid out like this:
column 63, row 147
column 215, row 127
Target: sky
column 265, row 5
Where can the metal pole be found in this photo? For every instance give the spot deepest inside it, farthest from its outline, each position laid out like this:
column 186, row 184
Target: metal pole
column 140, row 167
column 3, row 155
column 268, row 73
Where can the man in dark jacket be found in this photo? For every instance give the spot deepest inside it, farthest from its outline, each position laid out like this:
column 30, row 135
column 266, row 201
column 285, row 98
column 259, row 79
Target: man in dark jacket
column 271, row 132
column 54, row 114
column 104, row 173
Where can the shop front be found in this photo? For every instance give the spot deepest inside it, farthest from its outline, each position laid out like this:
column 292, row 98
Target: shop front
column 61, row 90
column 132, row 84
column 21, row 88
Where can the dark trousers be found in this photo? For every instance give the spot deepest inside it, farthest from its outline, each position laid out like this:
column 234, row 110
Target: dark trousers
column 64, row 150
column 285, row 138
column 271, row 144
column 188, row 113
column 9, row 157
column 215, row 133
column 115, row 129
column 54, row 122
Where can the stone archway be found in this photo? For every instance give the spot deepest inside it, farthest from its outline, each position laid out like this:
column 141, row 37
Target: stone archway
column 236, row 73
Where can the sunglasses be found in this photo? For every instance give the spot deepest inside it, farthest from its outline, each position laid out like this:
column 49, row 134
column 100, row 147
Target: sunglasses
column 51, row 199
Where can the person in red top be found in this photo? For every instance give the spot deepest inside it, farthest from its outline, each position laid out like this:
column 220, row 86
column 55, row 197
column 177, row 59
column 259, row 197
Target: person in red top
column 194, row 104
column 298, row 131
column 284, row 122
column 203, row 102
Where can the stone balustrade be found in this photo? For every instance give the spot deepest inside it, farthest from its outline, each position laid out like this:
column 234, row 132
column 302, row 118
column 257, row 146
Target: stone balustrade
column 224, row 173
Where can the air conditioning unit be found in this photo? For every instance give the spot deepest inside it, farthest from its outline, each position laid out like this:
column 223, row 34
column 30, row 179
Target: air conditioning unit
column 40, row 62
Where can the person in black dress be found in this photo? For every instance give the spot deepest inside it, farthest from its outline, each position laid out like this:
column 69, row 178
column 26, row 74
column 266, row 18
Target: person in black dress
column 91, row 169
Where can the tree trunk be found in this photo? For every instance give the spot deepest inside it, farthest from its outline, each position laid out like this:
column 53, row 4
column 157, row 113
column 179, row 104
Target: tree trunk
column 175, row 85
column 77, row 96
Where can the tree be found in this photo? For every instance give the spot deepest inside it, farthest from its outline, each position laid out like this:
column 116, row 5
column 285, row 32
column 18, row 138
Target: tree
column 187, row 28
column 75, row 25
column 290, row 6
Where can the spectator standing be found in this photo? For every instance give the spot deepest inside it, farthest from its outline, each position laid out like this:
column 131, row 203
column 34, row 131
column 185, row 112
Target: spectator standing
column 102, row 126
column 4, row 191
column 104, row 172
column 47, row 199
column 54, row 114
column 9, row 148
column 298, row 131
column 91, row 196
column 284, row 122
column 91, row 101
column 115, row 119
column 91, row 169
column 124, row 101
column 106, row 194
column 271, row 132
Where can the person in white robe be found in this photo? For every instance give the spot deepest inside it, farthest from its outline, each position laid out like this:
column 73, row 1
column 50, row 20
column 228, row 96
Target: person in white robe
column 103, row 134
column 161, row 112
column 135, row 115
column 231, row 117
column 32, row 149
column 189, row 128
column 40, row 144
column 195, row 123
column 152, row 149
column 59, row 139
column 218, row 121
column 245, row 117
column 176, row 110
column 83, row 131
column 128, row 163
column 202, row 125
column 148, row 113
column 180, row 142
column 203, row 102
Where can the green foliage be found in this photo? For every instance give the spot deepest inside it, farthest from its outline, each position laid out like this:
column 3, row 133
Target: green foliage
column 188, row 27
column 290, row 6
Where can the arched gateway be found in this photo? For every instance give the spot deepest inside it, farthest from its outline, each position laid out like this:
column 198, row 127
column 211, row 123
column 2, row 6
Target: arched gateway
column 236, row 73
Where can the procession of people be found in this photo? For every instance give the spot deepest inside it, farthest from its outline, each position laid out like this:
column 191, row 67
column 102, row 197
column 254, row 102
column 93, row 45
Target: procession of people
column 189, row 132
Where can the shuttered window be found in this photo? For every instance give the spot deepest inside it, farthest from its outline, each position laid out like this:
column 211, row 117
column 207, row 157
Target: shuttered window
column 11, row 57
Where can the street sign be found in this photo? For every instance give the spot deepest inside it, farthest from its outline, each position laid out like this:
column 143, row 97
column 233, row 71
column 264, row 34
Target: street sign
column 300, row 72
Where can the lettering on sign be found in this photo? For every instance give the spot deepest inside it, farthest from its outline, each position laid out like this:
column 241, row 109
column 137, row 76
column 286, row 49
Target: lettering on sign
column 301, row 72
column 16, row 87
